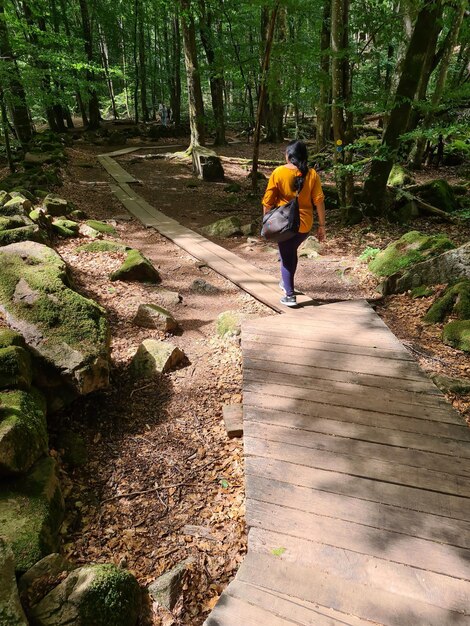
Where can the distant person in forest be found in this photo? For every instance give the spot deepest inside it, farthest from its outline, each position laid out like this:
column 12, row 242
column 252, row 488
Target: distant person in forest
column 283, row 184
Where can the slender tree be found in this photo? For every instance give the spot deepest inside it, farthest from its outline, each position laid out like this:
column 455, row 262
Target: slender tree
column 93, row 102
column 324, row 107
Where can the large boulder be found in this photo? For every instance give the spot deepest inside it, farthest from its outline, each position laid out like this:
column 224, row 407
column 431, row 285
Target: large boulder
column 443, row 268
column 15, row 368
column 155, row 357
column 226, row 227
column 136, row 268
column 455, row 300
column 207, row 165
column 154, row 316
column 410, row 249
column 66, row 332
column 55, row 205
column 92, row 595
column 11, row 611
column 31, row 513
column 23, row 430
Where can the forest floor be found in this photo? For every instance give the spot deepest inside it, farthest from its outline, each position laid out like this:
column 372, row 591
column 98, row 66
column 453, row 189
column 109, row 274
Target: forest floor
column 163, row 482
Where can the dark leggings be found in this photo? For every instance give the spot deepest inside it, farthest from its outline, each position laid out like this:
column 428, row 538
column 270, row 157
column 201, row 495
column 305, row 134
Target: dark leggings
column 288, row 254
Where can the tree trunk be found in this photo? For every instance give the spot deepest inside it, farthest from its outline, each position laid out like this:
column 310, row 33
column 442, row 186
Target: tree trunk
column 3, row 111
column 195, row 103
column 19, row 108
column 175, row 94
column 376, row 183
column 440, row 81
column 93, row 103
column 136, row 64
column 273, row 107
column 262, row 94
column 341, row 93
column 216, row 79
column 105, row 62
column 323, row 110
column 142, row 66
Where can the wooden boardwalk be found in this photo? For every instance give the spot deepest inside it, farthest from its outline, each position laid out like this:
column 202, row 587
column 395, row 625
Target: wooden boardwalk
column 357, row 468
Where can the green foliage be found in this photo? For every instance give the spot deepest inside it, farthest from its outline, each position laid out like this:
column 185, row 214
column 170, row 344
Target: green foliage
column 368, row 254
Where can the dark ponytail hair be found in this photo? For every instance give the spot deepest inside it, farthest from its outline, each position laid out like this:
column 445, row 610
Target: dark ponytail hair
column 297, row 154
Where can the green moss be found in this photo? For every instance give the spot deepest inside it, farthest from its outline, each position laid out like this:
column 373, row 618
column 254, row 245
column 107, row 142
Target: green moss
column 24, row 233
column 399, row 176
column 101, row 227
column 23, row 430
column 422, row 292
column 102, row 246
column 457, row 335
column 438, row 193
column 456, row 299
column 114, row 597
column 11, row 222
column 63, row 316
column 65, row 228
column 10, row 337
column 15, row 368
column 31, row 512
column 229, row 323
column 412, row 248
column 136, row 267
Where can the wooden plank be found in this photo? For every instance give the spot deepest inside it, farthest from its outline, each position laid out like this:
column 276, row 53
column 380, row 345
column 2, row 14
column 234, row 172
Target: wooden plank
column 307, row 614
column 439, row 590
column 344, row 362
column 352, row 430
column 116, row 171
column 382, row 607
column 273, row 384
column 233, row 419
column 381, row 516
column 279, row 371
column 344, row 445
column 351, row 465
column 452, row 435
column 422, row 387
column 361, row 488
column 232, row 611
column 316, row 342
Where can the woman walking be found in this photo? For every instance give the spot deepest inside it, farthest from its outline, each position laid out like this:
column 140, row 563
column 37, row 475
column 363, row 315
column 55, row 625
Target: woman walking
column 286, row 180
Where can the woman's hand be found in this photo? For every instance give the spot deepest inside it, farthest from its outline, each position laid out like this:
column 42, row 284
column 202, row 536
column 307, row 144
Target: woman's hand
column 321, row 234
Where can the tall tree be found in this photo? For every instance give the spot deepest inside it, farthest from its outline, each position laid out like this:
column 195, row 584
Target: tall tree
column 195, row 102
column 93, row 102
column 175, row 74
column 323, row 108
column 376, row 183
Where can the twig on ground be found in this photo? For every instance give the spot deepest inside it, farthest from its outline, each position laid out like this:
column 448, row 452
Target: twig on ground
column 133, row 494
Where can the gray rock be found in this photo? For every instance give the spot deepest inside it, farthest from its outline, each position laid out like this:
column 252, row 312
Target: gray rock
column 93, row 595
column 444, row 268
column 203, row 287
column 447, row 384
column 11, row 611
column 229, row 323
column 167, row 588
column 136, row 267
column 155, row 357
column 247, row 229
column 88, row 231
column 23, row 233
column 56, row 205
column 310, row 248
column 36, row 582
column 226, row 227
column 207, row 165
column 167, row 298
column 154, row 316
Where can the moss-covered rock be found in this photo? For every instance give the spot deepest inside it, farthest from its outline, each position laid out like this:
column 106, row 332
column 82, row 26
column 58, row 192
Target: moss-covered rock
column 4, row 197
column 13, row 221
column 449, row 384
column 41, row 578
column 136, row 267
column 422, row 292
column 229, row 323
column 10, row 337
column 103, row 246
column 78, row 214
column 310, row 248
column 438, row 193
column 11, row 611
column 226, row 227
column 455, row 299
column 55, row 205
column 69, row 333
column 399, row 176
column 412, row 248
column 65, row 228
column 23, row 233
column 155, row 357
column 31, row 512
column 23, row 430
column 457, row 335
column 15, row 368
column 72, row 447
column 155, row 316
column 17, row 202
column 101, row 227
column 93, row 595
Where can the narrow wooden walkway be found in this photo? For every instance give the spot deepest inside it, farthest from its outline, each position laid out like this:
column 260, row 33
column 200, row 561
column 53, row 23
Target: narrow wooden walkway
column 357, row 468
